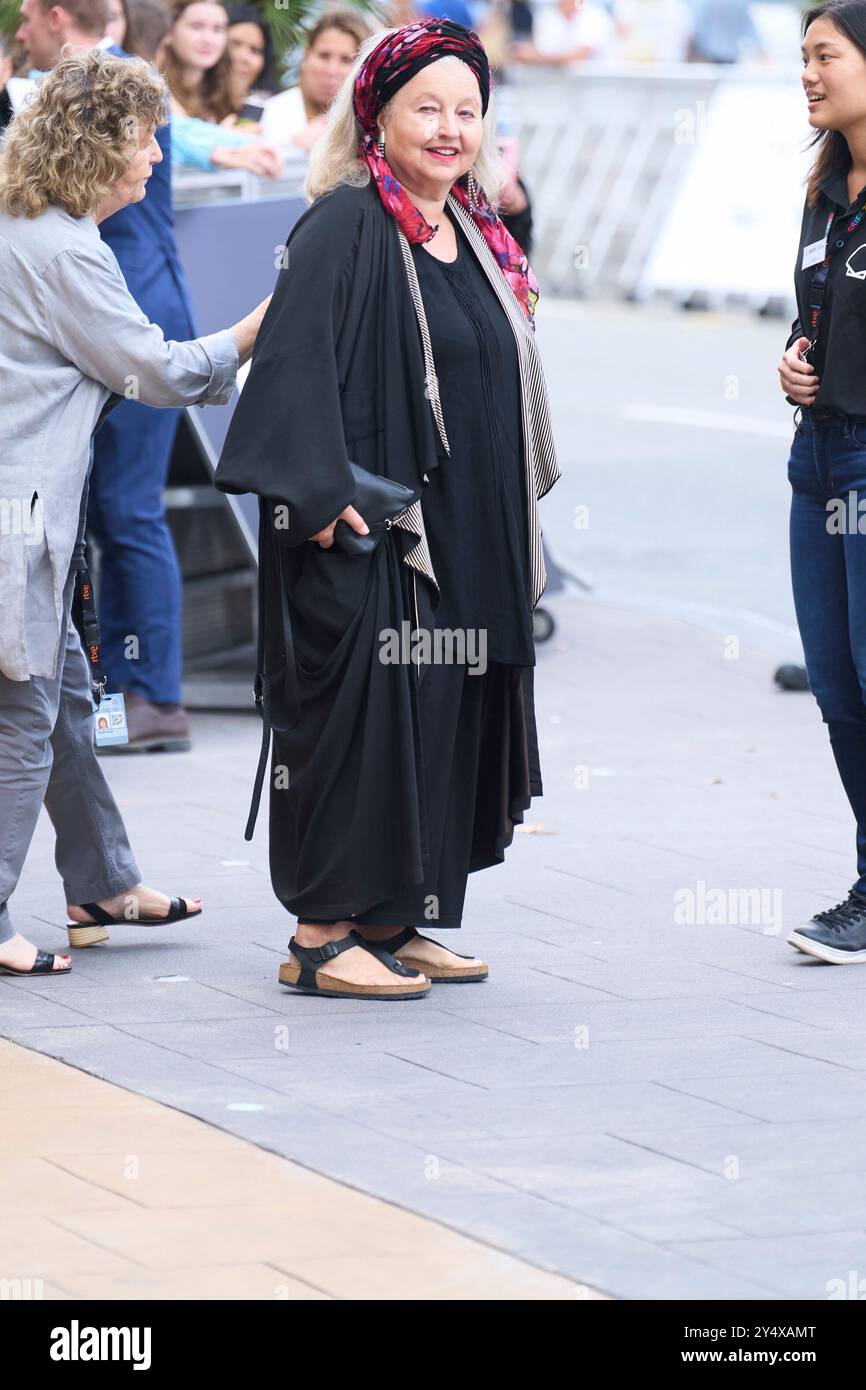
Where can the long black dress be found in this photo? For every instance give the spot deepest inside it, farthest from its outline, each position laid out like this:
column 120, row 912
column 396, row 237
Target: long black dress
column 479, row 491
column 394, row 781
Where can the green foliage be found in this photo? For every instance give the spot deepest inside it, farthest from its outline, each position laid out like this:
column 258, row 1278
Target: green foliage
column 290, row 19
column 9, row 16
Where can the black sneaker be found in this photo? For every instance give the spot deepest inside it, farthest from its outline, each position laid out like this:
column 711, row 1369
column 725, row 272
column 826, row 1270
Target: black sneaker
column 837, row 936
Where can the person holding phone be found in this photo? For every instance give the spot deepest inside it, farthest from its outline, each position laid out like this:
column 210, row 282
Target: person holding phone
column 823, row 373
column 251, row 59
column 198, row 72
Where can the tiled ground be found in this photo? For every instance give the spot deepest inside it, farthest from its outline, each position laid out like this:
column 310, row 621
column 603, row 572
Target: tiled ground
column 109, row 1196
column 641, row 1099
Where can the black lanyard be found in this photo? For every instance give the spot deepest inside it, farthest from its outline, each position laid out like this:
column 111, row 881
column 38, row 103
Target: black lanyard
column 818, row 286
column 84, row 617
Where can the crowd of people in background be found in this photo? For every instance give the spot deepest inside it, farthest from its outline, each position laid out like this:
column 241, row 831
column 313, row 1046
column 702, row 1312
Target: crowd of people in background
column 235, row 108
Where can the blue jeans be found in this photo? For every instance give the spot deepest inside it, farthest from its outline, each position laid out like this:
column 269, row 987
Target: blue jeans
column 139, row 590
column 827, row 472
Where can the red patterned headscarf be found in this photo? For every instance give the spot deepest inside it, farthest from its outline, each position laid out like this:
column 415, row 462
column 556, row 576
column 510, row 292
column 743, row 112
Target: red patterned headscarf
column 391, row 64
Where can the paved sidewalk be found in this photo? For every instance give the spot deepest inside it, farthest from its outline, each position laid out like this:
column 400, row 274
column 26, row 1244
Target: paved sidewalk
column 652, row 1108
column 109, row 1196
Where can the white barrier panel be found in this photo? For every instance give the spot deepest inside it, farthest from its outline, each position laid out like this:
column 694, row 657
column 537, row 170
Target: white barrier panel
column 739, row 201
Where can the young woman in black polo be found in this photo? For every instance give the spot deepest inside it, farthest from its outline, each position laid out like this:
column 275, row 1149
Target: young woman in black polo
column 823, row 372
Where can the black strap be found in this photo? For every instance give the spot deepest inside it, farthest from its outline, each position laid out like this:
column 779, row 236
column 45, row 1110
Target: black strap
column 85, row 620
column 99, row 915
column 310, row 958
column 276, row 686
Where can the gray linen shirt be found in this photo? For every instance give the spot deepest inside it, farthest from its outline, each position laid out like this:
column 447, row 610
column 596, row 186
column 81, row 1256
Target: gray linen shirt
column 70, row 335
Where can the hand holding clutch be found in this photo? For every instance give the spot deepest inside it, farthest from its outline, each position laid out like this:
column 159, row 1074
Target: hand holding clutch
column 379, row 501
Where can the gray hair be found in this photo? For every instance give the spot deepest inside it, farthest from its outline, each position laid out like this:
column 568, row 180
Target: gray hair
column 334, row 157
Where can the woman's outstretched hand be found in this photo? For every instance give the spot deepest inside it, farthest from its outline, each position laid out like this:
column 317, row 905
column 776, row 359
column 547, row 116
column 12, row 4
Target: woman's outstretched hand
column 264, row 160
column 355, row 520
column 798, row 377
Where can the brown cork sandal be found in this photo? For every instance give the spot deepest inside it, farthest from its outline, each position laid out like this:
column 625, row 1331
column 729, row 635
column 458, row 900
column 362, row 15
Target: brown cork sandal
column 304, row 972
column 441, row 974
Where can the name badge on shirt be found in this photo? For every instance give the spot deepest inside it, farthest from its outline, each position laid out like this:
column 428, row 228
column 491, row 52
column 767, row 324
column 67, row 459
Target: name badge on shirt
column 814, row 254
column 110, row 720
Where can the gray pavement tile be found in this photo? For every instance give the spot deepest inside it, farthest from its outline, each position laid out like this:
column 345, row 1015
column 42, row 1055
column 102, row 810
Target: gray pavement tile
column 413, row 1117
column 803, row 1266
column 634, row 1019
column 82, row 1040
column 661, row 1217
column 843, row 1011
column 272, row 1034
column 788, row 1101
column 152, row 1000
column 539, row 1111
column 507, row 1063
column 532, row 1112
column 563, row 1163
column 759, row 1205
column 22, row 1008
column 651, row 979
column 385, row 1166
column 595, row 1254
column 844, row 1050
column 761, row 1148
column 329, row 1080
column 147, row 1068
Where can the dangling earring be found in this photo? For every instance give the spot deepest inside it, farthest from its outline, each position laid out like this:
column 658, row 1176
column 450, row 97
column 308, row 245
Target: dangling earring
column 380, row 143
column 472, row 190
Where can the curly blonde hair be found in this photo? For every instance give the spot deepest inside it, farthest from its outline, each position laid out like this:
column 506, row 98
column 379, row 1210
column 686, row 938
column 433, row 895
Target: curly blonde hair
column 334, row 156
column 79, row 134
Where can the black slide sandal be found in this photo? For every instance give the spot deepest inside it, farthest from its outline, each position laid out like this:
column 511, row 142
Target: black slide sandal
column 89, row 933
column 42, row 965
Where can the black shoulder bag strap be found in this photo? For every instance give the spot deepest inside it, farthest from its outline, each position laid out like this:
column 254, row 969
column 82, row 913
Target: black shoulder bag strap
column 275, row 688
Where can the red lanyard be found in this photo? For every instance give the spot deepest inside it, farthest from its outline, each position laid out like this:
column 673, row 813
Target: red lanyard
column 818, row 287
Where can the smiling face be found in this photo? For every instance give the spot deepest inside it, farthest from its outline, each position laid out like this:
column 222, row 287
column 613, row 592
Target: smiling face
column 433, row 128
column 198, row 35
column 834, row 77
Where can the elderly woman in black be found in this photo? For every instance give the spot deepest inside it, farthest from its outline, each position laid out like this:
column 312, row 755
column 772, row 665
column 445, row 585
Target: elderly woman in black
column 395, row 426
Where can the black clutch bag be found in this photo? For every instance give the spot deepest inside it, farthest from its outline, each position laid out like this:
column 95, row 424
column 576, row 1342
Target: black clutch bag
column 380, row 501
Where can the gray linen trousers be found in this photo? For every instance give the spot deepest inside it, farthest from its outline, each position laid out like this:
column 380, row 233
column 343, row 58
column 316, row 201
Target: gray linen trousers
column 71, row 337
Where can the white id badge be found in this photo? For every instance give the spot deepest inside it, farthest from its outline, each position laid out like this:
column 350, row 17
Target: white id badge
column 814, row 254
column 110, row 720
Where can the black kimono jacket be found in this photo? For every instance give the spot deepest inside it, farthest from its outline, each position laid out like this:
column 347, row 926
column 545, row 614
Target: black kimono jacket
column 338, row 375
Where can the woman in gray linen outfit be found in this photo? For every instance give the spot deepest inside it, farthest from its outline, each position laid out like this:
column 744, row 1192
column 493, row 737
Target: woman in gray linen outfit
column 73, row 340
